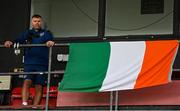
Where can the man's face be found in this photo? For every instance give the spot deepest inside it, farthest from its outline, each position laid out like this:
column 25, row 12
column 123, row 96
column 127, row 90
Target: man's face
column 36, row 23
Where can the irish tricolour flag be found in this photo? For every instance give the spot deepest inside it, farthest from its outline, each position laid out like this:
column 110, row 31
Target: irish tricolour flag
column 110, row 66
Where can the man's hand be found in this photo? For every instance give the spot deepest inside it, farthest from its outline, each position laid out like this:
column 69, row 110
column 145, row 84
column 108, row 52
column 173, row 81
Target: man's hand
column 8, row 44
column 50, row 43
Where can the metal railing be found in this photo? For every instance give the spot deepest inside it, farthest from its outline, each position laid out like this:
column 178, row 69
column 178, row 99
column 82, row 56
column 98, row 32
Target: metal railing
column 49, row 72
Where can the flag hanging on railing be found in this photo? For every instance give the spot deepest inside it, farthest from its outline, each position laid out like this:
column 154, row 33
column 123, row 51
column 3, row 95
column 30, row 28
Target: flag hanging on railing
column 110, row 66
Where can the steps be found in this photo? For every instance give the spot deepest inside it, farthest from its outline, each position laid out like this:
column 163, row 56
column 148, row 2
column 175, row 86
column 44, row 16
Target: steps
column 16, row 97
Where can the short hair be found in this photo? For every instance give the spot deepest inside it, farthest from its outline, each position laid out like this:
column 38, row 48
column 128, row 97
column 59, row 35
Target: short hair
column 36, row 16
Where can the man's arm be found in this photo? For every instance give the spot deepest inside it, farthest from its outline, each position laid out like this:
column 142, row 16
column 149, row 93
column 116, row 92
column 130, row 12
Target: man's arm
column 49, row 39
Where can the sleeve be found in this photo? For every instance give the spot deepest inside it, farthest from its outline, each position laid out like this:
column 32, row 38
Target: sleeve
column 48, row 36
column 21, row 38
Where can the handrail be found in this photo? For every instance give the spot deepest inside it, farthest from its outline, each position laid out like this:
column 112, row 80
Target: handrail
column 37, row 45
column 22, row 73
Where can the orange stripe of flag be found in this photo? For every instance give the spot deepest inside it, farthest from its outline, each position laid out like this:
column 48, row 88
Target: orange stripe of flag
column 157, row 62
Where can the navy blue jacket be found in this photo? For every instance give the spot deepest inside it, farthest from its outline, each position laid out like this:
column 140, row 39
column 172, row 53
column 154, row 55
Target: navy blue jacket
column 35, row 55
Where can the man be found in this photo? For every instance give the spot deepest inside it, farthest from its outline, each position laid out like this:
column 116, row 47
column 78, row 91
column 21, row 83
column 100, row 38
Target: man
column 35, row 58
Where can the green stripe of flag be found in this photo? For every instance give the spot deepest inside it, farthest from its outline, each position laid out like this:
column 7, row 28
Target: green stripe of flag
column 85, row 60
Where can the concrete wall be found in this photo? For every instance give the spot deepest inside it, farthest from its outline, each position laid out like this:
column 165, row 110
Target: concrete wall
column 67, row 18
